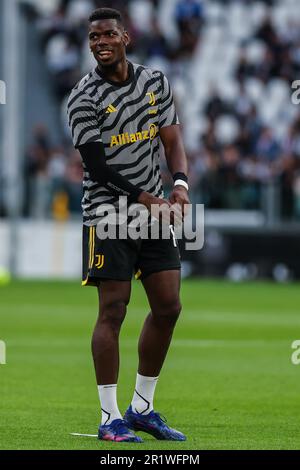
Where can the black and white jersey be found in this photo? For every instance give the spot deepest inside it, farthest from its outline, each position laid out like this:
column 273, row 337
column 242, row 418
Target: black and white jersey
column 126, row 117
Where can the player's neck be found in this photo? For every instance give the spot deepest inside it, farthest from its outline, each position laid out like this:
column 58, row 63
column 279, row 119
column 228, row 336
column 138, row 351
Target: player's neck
column 117, row 72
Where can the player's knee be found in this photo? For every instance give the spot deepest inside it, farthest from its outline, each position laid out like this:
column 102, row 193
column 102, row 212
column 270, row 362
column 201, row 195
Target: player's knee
column 169, row 312
column 174, row 311
column 113, row 314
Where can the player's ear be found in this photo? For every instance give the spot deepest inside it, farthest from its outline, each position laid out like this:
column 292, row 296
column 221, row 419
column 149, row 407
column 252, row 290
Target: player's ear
column 126, row 38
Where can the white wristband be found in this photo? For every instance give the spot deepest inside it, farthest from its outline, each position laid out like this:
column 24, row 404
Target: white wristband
column 182, row 183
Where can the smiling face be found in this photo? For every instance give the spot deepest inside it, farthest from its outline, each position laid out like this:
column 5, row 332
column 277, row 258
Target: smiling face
column 108, row 41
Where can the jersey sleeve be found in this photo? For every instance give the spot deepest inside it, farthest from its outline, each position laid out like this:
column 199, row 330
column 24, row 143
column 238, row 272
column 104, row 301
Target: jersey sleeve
column 167, row 111
column 82, row 115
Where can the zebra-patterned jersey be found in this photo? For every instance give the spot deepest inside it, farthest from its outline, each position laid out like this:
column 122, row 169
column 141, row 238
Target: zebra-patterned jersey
column 126, row 117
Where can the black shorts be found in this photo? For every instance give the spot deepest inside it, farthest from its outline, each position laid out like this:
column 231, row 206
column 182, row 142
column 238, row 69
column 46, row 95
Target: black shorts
column 119, row 259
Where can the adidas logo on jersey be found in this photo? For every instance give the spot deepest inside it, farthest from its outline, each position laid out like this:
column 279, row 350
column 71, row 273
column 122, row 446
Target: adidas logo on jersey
column 111, row 109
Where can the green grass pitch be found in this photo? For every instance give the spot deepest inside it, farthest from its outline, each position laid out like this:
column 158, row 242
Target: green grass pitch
column 228, row 381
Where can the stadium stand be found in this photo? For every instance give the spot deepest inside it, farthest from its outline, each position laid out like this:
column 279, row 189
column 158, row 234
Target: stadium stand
column 231, row 64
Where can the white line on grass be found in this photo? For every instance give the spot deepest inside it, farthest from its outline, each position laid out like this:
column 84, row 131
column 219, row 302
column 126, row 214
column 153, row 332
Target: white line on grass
column 83, row 435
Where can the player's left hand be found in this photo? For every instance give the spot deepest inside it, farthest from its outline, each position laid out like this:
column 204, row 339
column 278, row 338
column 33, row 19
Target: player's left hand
column 179, row 196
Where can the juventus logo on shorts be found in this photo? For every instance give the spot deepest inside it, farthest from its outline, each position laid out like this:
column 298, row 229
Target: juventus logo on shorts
column 99, row 261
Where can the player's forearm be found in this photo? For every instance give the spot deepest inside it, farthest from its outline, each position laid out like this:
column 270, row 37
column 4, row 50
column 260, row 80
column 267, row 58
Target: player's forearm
column 177, row 164
column 176, row 158
column 93, row 157
column 174, row 150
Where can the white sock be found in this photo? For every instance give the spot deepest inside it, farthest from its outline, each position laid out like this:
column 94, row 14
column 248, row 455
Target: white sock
column 108, row 402
column 142, row 401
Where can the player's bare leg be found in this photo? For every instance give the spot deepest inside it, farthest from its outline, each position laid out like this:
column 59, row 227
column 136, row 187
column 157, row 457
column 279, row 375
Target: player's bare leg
column 113, row 300
column 162, row 290
column 163, row 294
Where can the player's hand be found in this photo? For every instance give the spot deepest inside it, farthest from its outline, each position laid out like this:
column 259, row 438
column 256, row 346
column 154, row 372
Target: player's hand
column 160, row 209
column 179, row 196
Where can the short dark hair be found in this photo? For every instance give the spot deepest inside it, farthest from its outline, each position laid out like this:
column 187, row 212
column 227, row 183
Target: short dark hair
column 106, row 14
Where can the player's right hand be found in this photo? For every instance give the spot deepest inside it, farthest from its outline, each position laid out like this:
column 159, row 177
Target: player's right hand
column 161, row 209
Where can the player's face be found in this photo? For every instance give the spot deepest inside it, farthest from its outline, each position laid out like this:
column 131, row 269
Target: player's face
column 108, row 41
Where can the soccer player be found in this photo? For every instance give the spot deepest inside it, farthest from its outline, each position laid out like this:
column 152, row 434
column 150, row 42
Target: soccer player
column 118, row 114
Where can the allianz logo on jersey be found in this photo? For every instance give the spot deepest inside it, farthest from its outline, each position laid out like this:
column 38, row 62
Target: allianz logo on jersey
column 126, row 138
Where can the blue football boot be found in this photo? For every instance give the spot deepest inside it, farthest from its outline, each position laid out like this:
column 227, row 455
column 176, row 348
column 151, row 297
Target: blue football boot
column 152, row 423
column 117, row 431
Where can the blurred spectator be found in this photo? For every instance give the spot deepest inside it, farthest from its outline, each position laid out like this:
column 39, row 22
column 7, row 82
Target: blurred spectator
column 215, row 106
column 189, row 16
column 52, row 174
column 243, row 69
column 267, row 33
column 74, row 174
column 267, row 148
column 62, row 58
column 155, row 43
